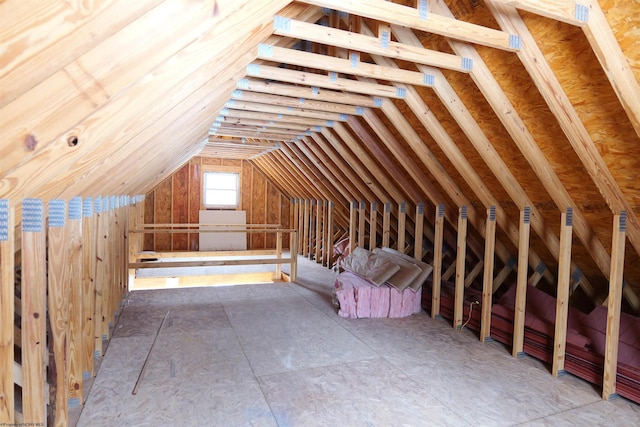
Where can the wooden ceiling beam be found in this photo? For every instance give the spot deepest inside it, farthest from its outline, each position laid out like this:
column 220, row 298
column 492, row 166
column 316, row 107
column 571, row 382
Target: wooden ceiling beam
column 298, row 111
column 322, row 80
column 288, row 101
column 352, row 66
column 306, row 92
column 252, row 134
column 267, row 124
column 373, row 45
column 233, row 115
column 423, row 20
column 220, row 129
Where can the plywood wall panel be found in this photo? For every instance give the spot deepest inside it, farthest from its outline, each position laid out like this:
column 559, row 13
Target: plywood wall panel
column 178, row 199
column 195, row 194
column 149, row 218
column 246, row 193
column 273, row 212
column 258, row 210
column 163, row 201
column 180, row 209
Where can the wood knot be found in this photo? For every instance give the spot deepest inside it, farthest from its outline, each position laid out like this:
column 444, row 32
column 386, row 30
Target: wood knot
column 36, row 315
column 31, row 142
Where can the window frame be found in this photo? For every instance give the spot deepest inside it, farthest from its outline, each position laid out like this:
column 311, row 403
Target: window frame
column 238, row 189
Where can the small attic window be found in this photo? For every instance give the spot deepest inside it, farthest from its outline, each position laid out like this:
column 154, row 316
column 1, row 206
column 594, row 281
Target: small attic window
column 221, row 190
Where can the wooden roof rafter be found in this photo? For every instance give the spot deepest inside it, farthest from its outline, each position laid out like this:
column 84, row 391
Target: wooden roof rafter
column 577, row 134
column 588, row 15
column 381, row 45
column 484, row 147
column 424, row 20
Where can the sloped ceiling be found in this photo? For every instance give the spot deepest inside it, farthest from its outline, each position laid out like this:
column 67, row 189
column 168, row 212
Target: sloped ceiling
column 505, row 103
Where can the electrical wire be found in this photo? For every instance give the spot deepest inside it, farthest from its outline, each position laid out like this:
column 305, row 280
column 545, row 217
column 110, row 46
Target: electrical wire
column 469, row 319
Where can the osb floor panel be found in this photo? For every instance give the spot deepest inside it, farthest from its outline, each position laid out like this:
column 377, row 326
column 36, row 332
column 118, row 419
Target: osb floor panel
column 278, row 355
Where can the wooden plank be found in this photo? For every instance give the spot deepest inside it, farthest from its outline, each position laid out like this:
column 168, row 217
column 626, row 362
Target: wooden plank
column 101, row 276
column 33, row 290
column 73, row 235
column 562, row 302
column 373, row 223
column 297, row 111
column 318, row 233
column 289, row 101
column 59, row 275
column 204, row 280
column 152, row 92
column 474, row 273
column 7, row 312
column 614, row 306
column 487, row 281
column 417, row 246
column 294, row 258
column 312, row 228
column 521, row 284
column 353, row 219
column 92, row 80
column 238, row 116
column 305, row 92
column 52, row 40
column 362, row 215
column 209, row 263
column 329, row 230
column 306, row 227
column 334, row 65
column 420, row 20
column 386, row 224
column 437, row 262
column 318, row 80
column 402, row 222
column 560, row 10
column 89, row 261
column 616, row 67
column 351, row 40
column 461, row 252
column 279, row 254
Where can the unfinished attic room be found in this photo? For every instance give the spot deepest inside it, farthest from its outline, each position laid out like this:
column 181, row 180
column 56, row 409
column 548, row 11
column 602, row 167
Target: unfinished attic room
column 319, row 213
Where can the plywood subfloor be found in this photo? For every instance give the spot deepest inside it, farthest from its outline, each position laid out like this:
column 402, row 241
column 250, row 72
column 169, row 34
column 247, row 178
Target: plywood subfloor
column 278, row 355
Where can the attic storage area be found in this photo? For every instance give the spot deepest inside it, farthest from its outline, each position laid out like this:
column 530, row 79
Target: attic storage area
column 495, row 142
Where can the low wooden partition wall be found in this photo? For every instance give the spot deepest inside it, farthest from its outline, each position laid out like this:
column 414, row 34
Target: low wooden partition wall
column 63, row 276
column 175, row 260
